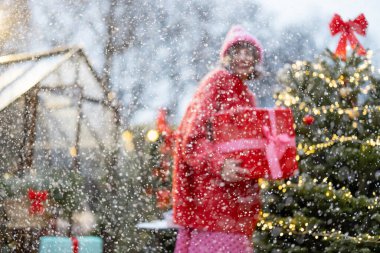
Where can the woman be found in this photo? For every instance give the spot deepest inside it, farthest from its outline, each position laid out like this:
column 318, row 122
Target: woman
column 214, row 202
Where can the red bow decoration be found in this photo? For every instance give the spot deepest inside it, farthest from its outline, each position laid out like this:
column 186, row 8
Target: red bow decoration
column 162, row 125
column 348, row 29
column 165, row 130
column 163, row 198
column 36, row 198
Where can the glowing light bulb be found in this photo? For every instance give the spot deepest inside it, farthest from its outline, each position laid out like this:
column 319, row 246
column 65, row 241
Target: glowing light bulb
column 152, row 135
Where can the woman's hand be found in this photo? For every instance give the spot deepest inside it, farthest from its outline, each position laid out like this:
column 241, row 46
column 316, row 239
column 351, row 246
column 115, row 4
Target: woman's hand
column 232, row 172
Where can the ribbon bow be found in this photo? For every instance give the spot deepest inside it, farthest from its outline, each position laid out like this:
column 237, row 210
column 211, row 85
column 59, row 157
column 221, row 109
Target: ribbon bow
column 275, row 148
column 348, row 29
column 161, row 122
column 36, row 198
column 165, row 130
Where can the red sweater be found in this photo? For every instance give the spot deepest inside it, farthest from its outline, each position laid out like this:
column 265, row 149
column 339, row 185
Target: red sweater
column 202, row 199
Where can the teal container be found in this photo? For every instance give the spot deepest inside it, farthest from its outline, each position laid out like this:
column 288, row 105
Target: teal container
column 59, row 244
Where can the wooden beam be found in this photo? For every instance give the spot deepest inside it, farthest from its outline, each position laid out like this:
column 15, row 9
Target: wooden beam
column 76, row 157
column 30, row 124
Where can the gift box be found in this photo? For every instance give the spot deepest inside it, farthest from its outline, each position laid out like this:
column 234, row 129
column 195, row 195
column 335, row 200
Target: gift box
column 80, row 244
column 262, row 139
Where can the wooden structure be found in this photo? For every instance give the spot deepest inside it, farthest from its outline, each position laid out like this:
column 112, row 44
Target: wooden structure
column 55, row 114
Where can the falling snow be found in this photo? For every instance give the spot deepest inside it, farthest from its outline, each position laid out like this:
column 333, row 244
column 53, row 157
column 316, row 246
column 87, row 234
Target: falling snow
column 95, row 126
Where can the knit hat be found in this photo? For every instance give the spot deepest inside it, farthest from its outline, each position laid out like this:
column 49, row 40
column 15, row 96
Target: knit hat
column 238, row 34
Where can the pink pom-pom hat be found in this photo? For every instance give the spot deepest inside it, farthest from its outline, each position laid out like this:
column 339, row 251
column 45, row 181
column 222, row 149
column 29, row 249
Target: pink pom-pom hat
column 238, row 34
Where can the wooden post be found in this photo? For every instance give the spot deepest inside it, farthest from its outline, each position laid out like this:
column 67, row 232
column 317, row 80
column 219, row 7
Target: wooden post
column 30, row 124
column 76, row 157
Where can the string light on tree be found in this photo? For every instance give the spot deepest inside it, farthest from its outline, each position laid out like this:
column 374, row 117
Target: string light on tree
column 152, row 135
column 335, row 101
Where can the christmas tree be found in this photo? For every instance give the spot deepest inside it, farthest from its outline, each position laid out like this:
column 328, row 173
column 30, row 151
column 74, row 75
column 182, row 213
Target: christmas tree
column 142, row 192
column 332, row 204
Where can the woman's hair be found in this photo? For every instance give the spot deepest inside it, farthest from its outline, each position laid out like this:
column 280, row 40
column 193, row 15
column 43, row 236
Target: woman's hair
column 226, row 60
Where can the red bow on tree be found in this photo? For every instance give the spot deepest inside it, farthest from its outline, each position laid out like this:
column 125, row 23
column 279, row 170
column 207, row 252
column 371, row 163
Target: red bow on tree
column 36, row 198
column 165, row 130
column 348, row 29
column 163, row 198
column 162, row 125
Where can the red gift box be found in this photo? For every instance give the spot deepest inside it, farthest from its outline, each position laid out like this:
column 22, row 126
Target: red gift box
column 262, row 139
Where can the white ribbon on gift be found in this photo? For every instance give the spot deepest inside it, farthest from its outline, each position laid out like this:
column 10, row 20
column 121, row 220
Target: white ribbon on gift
column 273, row 144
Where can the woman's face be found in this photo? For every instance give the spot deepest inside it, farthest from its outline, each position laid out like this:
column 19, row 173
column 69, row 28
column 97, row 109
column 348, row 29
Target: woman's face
column 243, row 61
